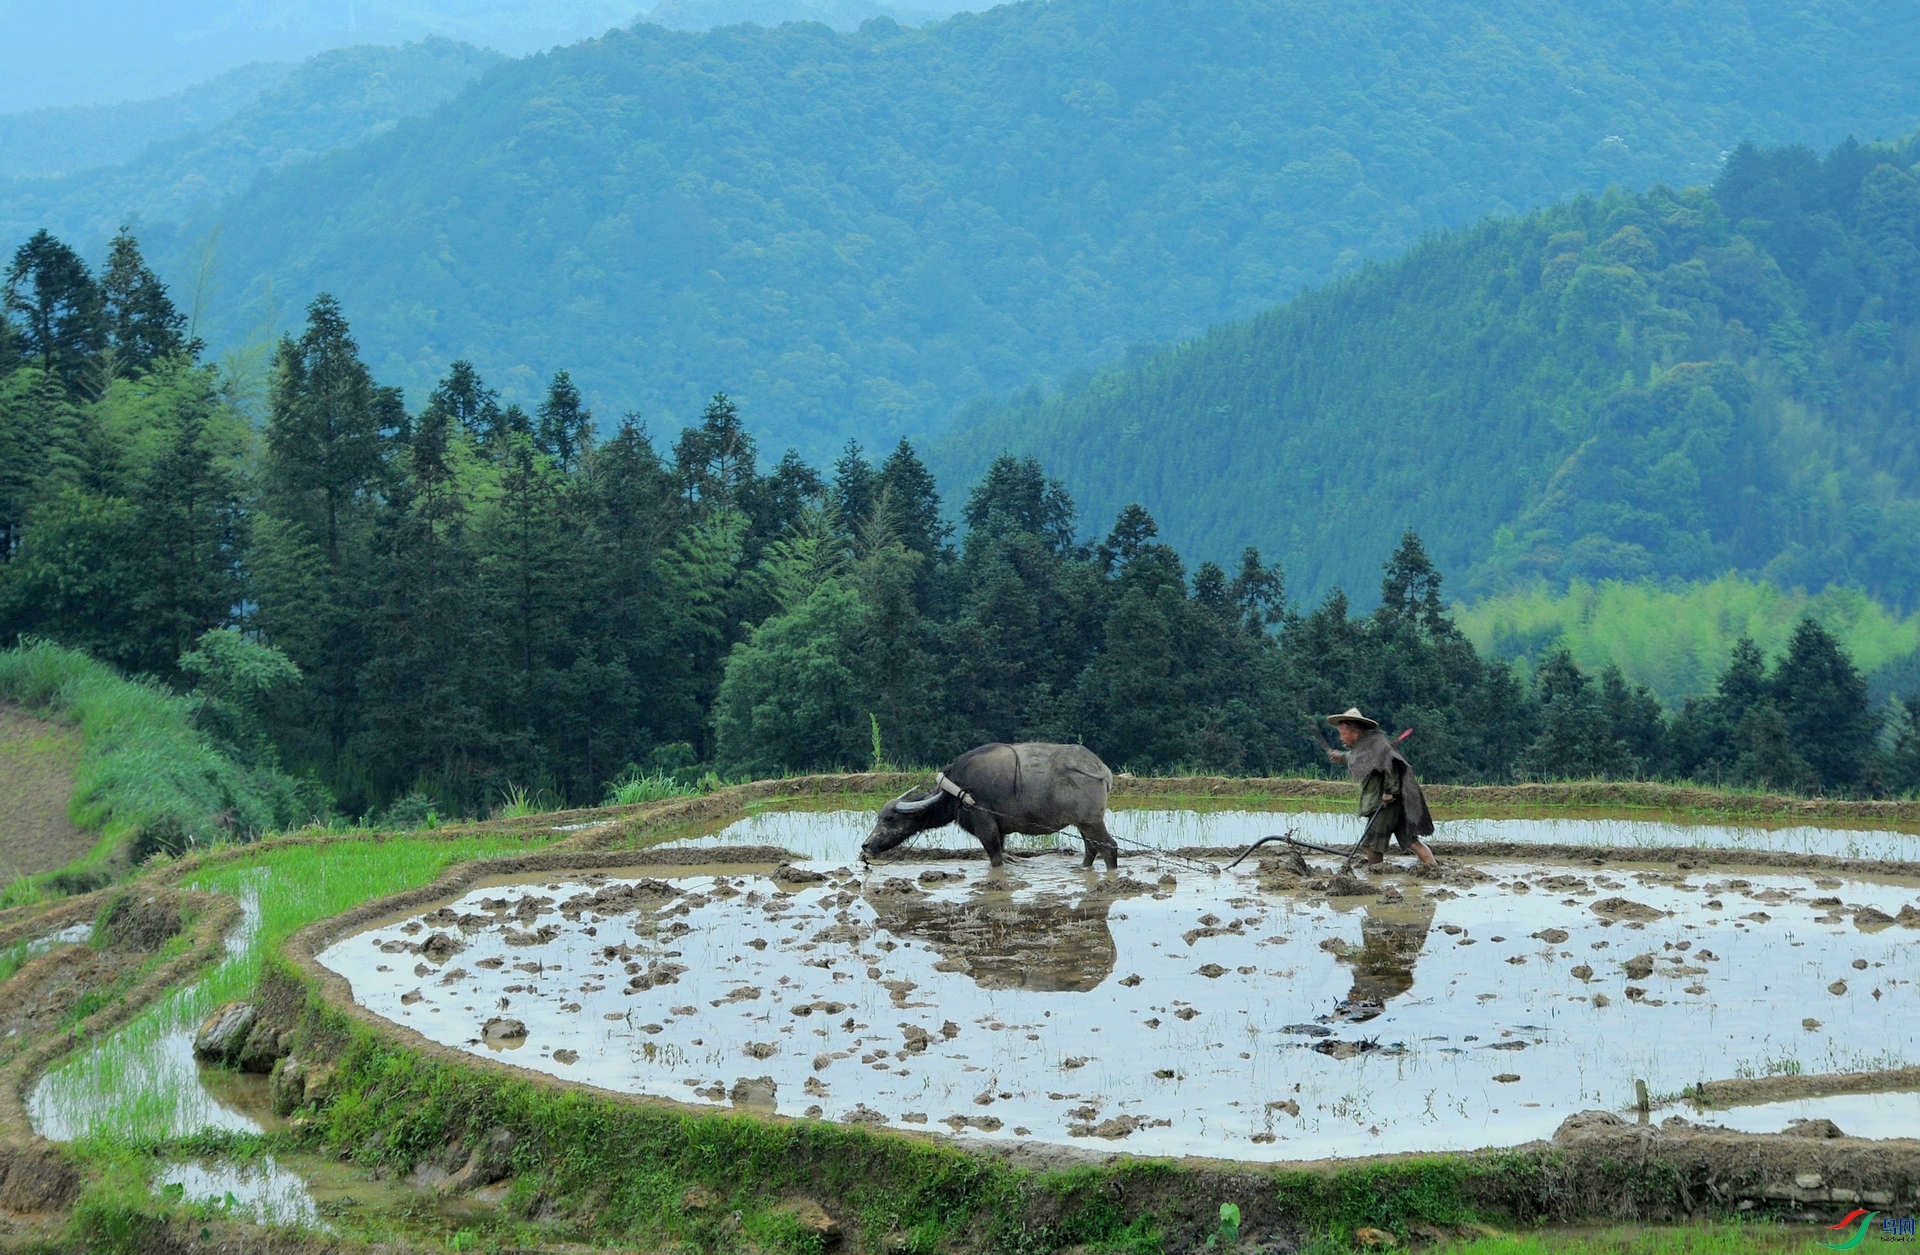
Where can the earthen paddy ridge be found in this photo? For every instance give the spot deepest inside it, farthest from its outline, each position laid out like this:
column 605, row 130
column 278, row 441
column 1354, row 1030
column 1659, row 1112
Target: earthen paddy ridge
column 1298, row 1041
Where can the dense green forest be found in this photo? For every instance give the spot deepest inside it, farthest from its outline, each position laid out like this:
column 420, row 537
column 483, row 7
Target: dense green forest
column 433, row 606
column 1670, row 385
column 855, row 234
column 329, row 102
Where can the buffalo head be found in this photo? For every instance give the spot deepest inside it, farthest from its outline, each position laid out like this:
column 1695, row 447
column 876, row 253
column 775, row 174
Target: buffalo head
column 906, row 815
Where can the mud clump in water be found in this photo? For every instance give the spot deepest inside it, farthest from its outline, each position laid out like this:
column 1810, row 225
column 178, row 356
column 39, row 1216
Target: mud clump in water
column 500, row 1032
column 1639, row 967
column 619, row 899
column 754, row 1093
column 1626, row 908
column 439, row 947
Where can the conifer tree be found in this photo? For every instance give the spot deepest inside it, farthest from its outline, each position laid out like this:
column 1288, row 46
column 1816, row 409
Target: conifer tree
column 143, row 327
column 462, row 397
column 564, row 430
column 56, row 307
column 323, row 428
column 914, row 502
column 1823, row 702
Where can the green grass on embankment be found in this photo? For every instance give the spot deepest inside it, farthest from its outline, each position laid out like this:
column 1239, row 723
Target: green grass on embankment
column 291, row 884
column 1728, row 1238
column 147, row 779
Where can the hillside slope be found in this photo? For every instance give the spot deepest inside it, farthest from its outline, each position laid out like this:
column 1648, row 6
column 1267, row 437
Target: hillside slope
column 859, row 233
column 37, row 764
column 1670, row 385
column 330, row 101
column 43, row 143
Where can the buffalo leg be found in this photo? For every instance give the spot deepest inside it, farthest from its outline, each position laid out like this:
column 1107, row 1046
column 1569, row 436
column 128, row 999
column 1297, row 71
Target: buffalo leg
column 991, row 838
column 1098, row 840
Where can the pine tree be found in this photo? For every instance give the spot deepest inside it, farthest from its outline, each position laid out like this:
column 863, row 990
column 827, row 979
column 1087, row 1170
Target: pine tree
column 564, row 430
column 462, row 397
column 143, row 327
column 714, row 462
column 424, row 720
column 1260, row 592
column 1410, row 590
column 1132, row 532
column 323, row 428
column 1823, row 701
column 192, row 535
column 61, row 321
column 914, row 502
column 854, row 486
column 325, row 444
column 1016, row 494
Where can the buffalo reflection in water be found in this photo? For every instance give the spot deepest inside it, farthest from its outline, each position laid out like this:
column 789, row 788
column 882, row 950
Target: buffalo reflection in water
column 1049, row 941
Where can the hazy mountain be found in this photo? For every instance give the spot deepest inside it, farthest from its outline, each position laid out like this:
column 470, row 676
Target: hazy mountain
column 45, row 142
column 83, row 52
column 856, row 233
column 1664, row 386
column 328, row 102
column 844, row 15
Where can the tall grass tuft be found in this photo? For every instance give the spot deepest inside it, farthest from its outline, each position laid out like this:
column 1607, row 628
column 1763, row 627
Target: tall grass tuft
column 517, row 802
column 633, row 787
column 147, row 780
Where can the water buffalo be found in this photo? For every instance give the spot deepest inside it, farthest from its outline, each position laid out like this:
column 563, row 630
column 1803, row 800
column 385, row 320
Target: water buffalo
column 1031, row 787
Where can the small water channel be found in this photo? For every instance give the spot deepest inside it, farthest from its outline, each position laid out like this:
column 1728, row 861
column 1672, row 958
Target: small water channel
column 1168, row 1010
column 144, row 1081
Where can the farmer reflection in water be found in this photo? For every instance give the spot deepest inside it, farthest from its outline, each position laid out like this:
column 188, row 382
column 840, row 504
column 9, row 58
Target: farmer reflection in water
column 1390, row 797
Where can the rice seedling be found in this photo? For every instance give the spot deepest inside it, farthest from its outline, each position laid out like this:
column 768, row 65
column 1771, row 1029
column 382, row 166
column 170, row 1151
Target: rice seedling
column 141, row 1082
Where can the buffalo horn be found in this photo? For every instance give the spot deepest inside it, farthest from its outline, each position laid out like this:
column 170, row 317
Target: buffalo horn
column 910, row 808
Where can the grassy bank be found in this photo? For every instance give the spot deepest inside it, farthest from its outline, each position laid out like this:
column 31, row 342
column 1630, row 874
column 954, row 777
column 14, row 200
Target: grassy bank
column 128, row 1091
column 147, row 779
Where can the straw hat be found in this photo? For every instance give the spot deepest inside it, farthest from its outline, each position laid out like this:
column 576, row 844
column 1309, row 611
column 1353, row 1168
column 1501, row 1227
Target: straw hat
column 1352, row 715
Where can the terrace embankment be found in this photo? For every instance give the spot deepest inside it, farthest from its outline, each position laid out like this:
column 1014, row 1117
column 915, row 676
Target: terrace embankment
column 581, row 1163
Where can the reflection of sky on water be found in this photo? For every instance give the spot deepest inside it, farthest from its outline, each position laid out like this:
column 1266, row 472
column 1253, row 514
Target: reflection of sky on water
column 836, row 835
column 146, row 1071
column 1014, row 1004
column 261, row 1190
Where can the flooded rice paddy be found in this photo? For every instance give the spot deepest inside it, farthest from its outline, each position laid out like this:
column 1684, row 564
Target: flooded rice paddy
column 152, row 1058
column 1168, row 1009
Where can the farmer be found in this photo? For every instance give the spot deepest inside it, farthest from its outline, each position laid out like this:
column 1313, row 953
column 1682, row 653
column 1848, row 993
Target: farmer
column 1390, row 797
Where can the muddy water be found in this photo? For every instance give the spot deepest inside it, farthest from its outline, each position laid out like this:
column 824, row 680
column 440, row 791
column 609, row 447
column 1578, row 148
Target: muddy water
column 1165, row 1010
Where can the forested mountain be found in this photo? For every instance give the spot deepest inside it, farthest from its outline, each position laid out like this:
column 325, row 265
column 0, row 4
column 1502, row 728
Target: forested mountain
column 328, row 102
column 103, row 52
column 857, row 233
column 1673, row 384
column 43, row 142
